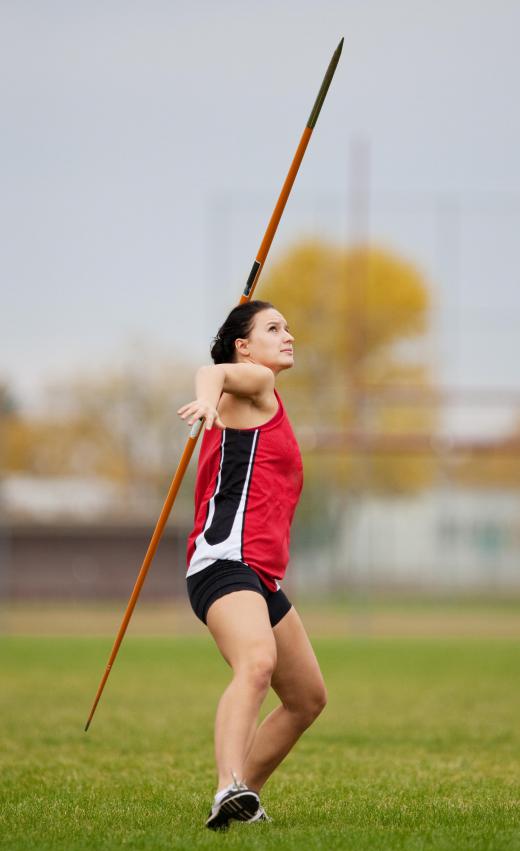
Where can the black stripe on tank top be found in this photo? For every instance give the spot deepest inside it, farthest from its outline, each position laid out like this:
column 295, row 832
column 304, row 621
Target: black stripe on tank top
column 216, row 479
column 237, row 453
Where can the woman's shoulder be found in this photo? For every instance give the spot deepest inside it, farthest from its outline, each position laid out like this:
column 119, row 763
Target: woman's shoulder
column 243, row 413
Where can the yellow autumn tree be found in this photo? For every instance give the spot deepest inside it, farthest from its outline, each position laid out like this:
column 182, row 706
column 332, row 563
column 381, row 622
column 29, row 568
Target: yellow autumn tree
column 349, row 311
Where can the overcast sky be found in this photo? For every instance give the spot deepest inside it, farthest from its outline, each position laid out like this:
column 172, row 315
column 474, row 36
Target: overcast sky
column 144, row 145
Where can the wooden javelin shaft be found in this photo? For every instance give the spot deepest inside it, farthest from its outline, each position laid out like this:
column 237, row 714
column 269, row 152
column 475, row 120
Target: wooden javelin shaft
column 196, row 428
column 159, row 528
column 289, row 180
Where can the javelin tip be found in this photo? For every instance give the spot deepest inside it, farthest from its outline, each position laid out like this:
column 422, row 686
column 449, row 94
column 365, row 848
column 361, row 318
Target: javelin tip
column 311, row 123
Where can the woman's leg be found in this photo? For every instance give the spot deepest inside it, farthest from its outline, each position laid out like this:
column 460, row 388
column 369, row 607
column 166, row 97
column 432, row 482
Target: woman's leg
column 298, row 682
column 239, row 623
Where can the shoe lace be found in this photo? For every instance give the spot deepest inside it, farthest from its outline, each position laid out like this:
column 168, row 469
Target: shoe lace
column 239, row 784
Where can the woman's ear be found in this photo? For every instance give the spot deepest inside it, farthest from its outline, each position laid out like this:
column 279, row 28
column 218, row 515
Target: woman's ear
column 241, row 347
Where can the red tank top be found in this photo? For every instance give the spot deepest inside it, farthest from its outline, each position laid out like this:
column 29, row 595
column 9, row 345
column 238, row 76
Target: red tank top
column 247, row 488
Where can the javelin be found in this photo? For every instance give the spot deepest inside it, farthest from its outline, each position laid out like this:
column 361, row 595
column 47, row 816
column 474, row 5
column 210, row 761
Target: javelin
column 196, row 428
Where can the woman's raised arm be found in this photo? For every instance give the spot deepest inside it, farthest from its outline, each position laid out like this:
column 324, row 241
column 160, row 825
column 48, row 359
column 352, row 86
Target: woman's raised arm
column 241, row 379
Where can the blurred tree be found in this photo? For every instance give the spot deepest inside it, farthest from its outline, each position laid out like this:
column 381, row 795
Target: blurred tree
column 348, row 310
column 8, row 403
column 494, row 466
column 8, row 409
column 120, row 424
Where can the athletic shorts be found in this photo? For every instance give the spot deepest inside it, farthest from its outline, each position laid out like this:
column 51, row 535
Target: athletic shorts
column 224, row 576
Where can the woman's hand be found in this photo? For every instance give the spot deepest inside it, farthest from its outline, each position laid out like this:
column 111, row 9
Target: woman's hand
column 200, row 409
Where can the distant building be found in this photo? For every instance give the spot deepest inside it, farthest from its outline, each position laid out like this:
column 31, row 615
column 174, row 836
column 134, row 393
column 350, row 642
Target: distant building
column 455, row 539
column 86, row 539
column 83, row 538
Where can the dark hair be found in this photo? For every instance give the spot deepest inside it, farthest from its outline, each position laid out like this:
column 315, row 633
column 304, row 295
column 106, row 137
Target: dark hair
column 238, row 325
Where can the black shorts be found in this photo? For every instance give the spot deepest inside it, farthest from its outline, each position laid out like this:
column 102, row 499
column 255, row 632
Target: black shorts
column 224, row 576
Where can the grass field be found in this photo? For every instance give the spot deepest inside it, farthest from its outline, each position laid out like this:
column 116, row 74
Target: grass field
column 418, row 748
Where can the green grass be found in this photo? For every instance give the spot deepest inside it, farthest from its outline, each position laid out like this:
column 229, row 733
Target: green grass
column 417, row 749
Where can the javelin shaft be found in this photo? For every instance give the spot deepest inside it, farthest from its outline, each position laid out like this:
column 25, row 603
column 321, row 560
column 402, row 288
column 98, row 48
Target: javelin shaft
column 161, row 523
column 289, row 180
column 196, row 428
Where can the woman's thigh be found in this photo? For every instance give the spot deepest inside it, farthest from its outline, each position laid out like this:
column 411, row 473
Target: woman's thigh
column 239, row 623
column 297, row 678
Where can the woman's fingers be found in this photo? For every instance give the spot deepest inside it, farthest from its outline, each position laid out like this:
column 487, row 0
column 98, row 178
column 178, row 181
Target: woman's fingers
column 183, row 412
column 213, row 419
column 195, row 410
column 190, row 405
column 189, row 409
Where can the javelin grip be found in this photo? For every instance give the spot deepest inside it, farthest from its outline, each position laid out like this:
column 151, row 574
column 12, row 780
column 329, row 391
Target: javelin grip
column 251, row 281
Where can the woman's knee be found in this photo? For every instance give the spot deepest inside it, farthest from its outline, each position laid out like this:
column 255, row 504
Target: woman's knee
column 318, row 701
column 257, row 669
column 311, row 705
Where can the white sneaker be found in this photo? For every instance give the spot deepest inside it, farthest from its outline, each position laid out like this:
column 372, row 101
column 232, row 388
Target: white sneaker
column 239, row 803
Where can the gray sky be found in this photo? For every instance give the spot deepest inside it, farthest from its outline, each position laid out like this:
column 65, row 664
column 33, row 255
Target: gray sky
column 144, row 145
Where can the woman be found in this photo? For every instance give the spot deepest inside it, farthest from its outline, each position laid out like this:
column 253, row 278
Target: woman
column 249, row 479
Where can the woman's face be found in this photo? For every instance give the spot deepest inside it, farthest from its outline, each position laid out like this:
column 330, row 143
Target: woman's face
column 270, row 342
